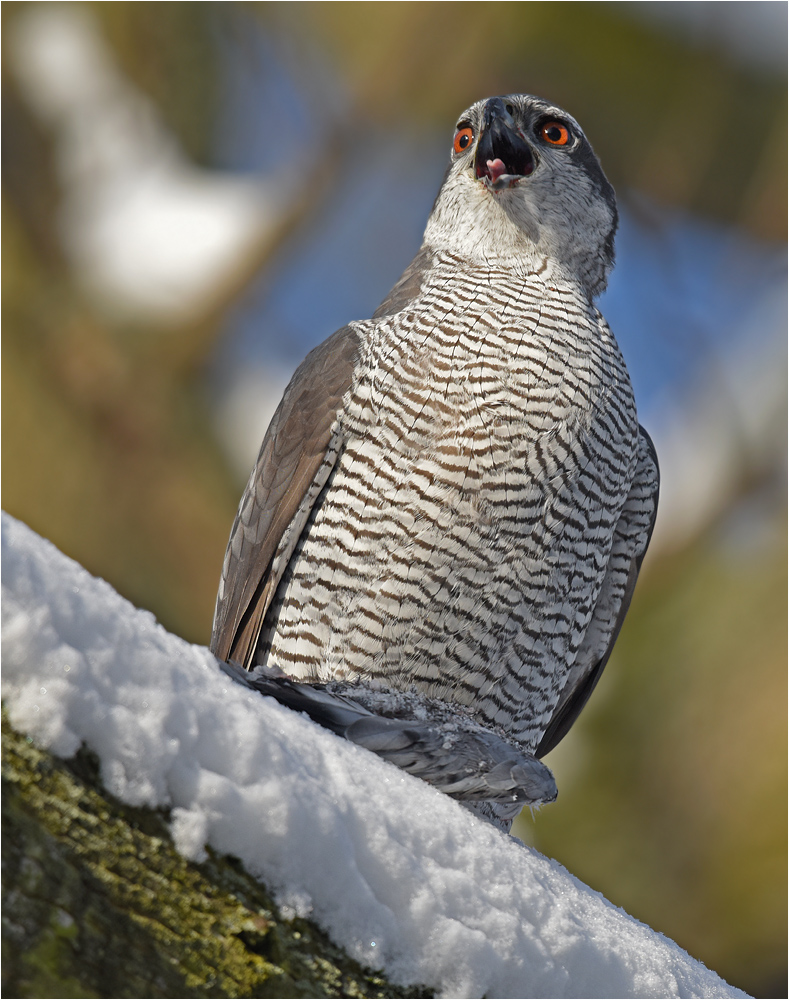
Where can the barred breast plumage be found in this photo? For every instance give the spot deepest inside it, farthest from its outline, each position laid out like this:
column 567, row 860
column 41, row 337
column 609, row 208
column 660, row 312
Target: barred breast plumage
column 454, row 497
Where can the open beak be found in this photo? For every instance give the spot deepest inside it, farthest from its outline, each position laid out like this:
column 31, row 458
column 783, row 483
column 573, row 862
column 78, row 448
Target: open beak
column 503, row 156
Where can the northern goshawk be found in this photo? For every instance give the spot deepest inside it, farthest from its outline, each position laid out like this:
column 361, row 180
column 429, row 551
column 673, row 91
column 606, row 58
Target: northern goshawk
column 442, row 533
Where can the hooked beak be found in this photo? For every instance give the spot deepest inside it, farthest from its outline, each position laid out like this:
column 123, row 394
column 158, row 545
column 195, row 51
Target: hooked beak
column 503, row 156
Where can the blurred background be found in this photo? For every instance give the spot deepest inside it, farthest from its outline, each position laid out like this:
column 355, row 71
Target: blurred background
column 195, row 194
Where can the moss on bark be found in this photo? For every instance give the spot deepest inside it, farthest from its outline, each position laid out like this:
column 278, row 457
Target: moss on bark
column 98, row 903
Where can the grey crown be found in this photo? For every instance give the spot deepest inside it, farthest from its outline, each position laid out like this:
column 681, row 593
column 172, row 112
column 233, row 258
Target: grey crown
column 445, row 523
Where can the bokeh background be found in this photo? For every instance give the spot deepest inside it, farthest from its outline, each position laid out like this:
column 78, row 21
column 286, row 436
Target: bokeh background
column 195, row 194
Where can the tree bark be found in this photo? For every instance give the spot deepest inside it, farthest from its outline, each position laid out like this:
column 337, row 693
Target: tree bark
column 98, row 903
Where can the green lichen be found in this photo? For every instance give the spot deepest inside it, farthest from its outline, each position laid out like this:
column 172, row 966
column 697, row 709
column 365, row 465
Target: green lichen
column 97, row 902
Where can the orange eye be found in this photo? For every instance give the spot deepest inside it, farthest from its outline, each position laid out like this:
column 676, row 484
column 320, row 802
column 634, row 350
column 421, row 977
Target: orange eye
column 555, row 133
column 463, row 139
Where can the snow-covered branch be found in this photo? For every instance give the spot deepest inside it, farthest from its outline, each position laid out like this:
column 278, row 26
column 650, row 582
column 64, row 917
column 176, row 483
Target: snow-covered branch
column 398, row 875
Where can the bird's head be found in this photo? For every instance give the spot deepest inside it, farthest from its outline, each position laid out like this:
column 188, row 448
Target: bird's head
column 524, row 186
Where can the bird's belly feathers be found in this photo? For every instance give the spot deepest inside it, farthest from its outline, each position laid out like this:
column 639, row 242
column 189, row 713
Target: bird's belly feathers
column 460, row 542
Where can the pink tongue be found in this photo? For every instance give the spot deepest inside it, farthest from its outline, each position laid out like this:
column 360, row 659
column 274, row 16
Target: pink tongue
column 496, row 168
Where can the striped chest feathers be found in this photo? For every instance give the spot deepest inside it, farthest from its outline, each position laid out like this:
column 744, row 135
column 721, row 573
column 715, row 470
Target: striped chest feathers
column 517, row 386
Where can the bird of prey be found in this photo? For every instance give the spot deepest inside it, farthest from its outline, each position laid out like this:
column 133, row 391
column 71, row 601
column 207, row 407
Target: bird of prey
column 441, row 536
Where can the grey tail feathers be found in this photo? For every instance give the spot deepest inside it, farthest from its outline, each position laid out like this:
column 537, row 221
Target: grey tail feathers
column 470, row 763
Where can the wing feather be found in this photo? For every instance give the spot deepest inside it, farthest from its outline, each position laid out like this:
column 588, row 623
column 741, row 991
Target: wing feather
column 631, row 538
column 296, row 457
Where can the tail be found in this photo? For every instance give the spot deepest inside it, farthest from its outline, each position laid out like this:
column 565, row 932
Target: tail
column 462, row 759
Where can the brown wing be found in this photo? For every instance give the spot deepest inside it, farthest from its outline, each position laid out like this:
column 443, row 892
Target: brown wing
column 295, row 460
column 631, row 539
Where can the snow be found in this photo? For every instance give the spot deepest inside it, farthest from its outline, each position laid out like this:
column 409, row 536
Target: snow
column 398, row 874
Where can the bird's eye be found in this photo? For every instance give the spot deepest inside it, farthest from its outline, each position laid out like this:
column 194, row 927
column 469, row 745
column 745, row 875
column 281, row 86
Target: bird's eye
column 555, row 133
column 463, row 139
